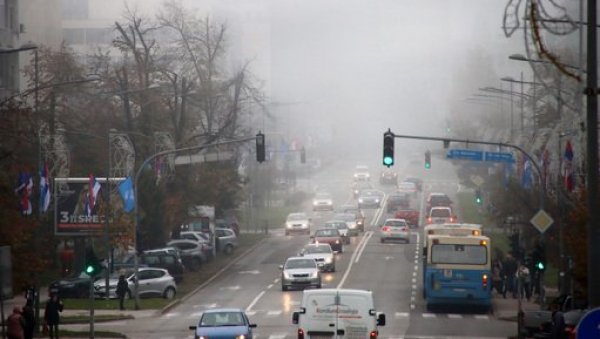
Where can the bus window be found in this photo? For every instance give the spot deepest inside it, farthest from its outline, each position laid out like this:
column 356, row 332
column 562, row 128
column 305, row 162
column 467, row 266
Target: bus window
column 458, row 254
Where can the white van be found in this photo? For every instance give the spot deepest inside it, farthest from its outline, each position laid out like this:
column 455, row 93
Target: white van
column 337, row 313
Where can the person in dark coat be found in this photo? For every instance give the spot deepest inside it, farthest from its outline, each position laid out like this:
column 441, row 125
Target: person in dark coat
column 121, row 291
column 558, row 323
column 29, row 320
column 14, row 325
column 52, row 315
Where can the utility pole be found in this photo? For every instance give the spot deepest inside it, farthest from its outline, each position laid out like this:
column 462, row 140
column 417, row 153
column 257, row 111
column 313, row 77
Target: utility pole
column 593, row 276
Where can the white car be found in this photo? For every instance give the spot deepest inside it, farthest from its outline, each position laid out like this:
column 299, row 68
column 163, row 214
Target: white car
column 153, row 282
column 297, row 223
column 322, row 254
column 441, row 215
column 394, row 229
column 361, row 173
column 300, row 272
column 408, row 187
column 322, row 201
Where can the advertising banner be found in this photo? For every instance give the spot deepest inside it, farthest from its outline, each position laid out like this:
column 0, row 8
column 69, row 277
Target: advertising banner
column 80, row 206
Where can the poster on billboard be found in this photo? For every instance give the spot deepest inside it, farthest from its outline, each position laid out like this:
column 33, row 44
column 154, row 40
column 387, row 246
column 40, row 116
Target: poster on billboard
column 79, row 206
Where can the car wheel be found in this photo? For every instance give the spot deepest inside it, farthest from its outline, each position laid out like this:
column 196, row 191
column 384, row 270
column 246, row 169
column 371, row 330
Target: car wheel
column 283, row 287
column 169, row 293
column 228, row 249
column 333, row 268
column 319, row 285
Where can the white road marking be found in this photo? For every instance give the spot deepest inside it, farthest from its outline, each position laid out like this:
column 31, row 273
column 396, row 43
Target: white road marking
column 416, row 267
column 367, row 236
column 278, row 336
column 481, row 317
column 412, row 299
column 414, row 280
column 412, row 306
column 250, row 313
column 429, row 315
column 171, row 314
column 363, row 239
column 276, row 281
column 454, row 316
column 273, row 313
column 414, row 274
column 195, row 315
column 231, row 288
column 255, row 301
column 271, row 285
column 414, row 287
column 402, row 314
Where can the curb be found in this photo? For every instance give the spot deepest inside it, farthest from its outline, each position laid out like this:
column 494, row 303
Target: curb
column 209, row 280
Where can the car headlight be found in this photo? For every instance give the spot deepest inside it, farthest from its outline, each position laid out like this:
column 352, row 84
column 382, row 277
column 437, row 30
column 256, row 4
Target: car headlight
column 288, row 225
column 351, row 226
column 241, row 336
column 329, row 260
column 368, row 175
column 355, row 191
column 360, row 200
column 314, row 274
column 286, row 275
column 376, row 200
column 203, row 337
column 315, row 202
column 337, row 241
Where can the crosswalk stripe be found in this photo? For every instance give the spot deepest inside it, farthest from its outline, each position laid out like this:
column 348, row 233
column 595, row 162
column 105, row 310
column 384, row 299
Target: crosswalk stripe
column 273, row 313
column 455, row 316
column 402, row 314
column 428, row 315
column 482, row 317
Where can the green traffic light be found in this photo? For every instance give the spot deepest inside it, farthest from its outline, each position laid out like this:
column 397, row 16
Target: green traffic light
column 478, row 201
column 427, row 165
column 388, row 161
column 540, row 265
column 89, row 269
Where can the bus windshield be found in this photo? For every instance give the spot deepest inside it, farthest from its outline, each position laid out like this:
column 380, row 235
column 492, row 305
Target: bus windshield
column 458, row 254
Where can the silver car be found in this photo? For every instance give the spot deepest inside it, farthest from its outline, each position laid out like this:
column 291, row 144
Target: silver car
column 322, row 202
column 300, row 272
column 342, row 227
column 322, row 254
column 153, row 282
column 227, row 241
column 193, row 253
column 394, row 229
column 297, row 223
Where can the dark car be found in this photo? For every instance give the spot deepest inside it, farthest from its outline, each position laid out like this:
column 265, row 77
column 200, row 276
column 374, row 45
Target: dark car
column 74, row 286
column 329, row 236
column 358, row 186
column 359, row 215
column 397, row 200
column 418, row 183
column 167, row 258
column 438, row 200
column 388, row 178
column 369, row 199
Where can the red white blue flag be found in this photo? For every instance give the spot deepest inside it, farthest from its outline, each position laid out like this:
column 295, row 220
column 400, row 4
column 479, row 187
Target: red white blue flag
column 93, row 190
column 25, row 191
column 44, row 189
column 568, row 167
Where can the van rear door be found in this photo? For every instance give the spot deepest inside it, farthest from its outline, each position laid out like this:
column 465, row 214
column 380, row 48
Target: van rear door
column 353, row 319
column 320, row 319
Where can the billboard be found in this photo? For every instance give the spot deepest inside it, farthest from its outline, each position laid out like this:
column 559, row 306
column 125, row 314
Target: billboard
column 74, row 214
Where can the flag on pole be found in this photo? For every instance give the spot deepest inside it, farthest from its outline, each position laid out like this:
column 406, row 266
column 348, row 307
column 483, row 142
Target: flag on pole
column 526, row 177
column 44, row 188
column 127, row 194
column 568, row 167
column 25, row 190
column 93, row 189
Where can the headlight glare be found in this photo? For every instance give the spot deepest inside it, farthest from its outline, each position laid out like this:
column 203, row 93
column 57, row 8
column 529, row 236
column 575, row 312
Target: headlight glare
column 241, row 336
column 329, row 260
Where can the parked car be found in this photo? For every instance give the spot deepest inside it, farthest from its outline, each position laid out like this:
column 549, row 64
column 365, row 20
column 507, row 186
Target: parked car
column 329, row 236
column 193, row 253
column 223, row 323
column 341, row 226
column 297, row 223
column 227, row 241
column 322, row 254
column 167, row 258
column 153, row 282
column 76, row 285
column 200, row 237
column 300, row 272
column 535, row 321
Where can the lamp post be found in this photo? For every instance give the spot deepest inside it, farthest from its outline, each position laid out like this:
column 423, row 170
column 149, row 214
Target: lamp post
column 136, row 198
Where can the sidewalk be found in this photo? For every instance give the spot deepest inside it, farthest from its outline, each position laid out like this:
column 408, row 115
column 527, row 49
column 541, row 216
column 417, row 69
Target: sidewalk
column 507, row 309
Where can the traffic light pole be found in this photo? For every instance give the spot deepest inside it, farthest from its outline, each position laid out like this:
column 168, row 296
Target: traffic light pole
column 91, row 307
column 447, row 141
column 136, row 199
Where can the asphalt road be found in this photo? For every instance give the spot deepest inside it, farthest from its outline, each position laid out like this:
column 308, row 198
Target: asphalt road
column 391, row 271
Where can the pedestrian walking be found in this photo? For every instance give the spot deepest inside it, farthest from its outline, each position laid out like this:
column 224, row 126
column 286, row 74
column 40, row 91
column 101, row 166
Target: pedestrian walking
column 497, row 278
column 122, row 288
column 15, row 325
column 524, row 282
column 510, row 270
column 29, row 320
column 52, row 315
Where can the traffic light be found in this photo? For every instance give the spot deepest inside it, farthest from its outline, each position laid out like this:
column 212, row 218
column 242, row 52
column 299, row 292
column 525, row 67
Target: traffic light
column 478, row 197
column 539, row 257
column 428, row 159
column 388, row 148
column 303, row 155
column 260, row 147
column 92, row 264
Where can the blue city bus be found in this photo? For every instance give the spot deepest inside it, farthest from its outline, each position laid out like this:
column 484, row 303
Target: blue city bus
column 458, row 271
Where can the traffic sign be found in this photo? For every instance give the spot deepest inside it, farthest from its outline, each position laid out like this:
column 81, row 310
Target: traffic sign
column 541, row 220
column 589, row 325
column 477, row 180
column 465, row 154
column 499, row 157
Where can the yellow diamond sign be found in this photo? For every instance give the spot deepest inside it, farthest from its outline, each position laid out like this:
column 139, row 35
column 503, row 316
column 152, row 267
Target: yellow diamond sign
column 541, row 220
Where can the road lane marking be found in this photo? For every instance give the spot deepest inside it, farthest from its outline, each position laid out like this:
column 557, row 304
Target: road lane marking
column 363, row 239
column 250, row 313
column 429, row 315
column 255, row 301
column 278, row 336
column 194, row 315
column 273, row 313
column 271, row 285
column 481, row 317
column 172, row 314
column 454, row 316
column 402, row 314
column 367, row 236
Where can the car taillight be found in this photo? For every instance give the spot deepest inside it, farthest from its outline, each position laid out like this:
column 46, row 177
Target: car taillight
column 373, row 335
column 300, row 333
column 484, row 280
column 386, row 228
column 429, row 219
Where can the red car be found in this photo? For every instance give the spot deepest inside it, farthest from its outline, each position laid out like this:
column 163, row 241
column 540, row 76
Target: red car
column 329, row 236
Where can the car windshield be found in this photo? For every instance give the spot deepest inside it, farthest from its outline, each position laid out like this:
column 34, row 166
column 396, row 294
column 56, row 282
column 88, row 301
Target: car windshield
column 395, row 223
column 440, row 213
column 336, row 225
column 345, row 216
column 317, row 249
column 369, row 193
column 322, row 196
column 327, row 233
column 296, row 216
column 300, row 263
column 214, row 319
